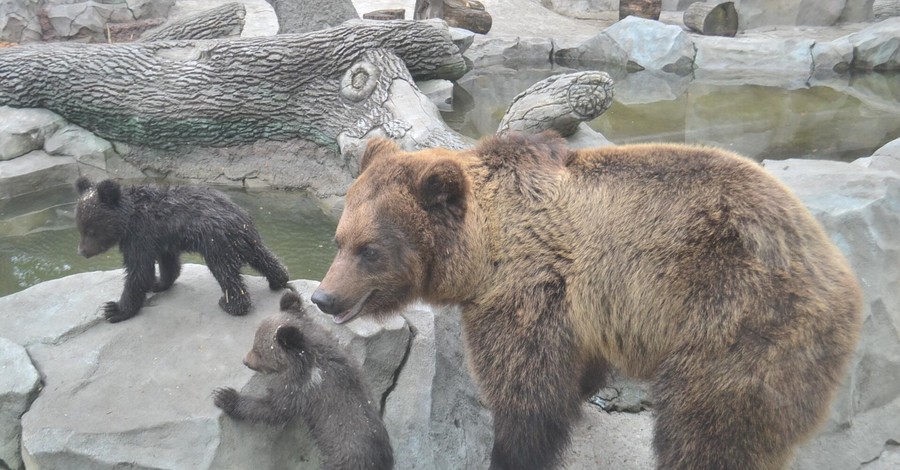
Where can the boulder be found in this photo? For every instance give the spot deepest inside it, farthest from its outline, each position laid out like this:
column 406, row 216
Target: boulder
column 496, row 50
column 24, row 130
column 19, row 385
column 19, row 22
column 831, row 57
column 35, row 171
column 857, row 205
column 440, row 92
column 305, row 16
column 757, row 13
column 600, row 50
column 653, row 45
column 877, row 47
column 139, row 392
column 758, row 60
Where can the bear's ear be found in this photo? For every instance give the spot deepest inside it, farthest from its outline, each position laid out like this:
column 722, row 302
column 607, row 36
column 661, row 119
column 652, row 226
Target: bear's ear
column 82, row 184
column 292, row 302
column 442, row 187
column 376, row 147
column 109, row 192
column 289, row 337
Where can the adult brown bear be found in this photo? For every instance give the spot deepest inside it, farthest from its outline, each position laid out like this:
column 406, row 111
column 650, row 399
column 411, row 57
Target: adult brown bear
column 688, row 266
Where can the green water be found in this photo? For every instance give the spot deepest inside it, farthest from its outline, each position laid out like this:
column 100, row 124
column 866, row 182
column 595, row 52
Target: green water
column 38, row 238
column 843, row 121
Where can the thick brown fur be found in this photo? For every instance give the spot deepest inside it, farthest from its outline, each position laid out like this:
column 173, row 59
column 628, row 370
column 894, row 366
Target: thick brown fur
column 687, row 266
column 310, row 378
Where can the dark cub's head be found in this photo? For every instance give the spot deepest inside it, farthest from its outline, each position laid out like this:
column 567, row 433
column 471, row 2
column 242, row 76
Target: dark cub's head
column 280, row 341
column 400, row 215
column 100, row 214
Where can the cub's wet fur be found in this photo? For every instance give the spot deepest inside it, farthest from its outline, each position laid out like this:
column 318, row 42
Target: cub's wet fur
column 153, row 224
column 311, row 379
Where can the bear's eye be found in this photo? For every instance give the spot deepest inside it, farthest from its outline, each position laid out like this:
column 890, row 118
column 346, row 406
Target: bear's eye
column 368, row 253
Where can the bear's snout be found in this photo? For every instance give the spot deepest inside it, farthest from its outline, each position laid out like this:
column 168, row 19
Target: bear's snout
column 325, row 301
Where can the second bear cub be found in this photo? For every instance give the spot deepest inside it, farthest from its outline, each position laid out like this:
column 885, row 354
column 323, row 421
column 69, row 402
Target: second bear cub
column 157, row 224
column 310, row 378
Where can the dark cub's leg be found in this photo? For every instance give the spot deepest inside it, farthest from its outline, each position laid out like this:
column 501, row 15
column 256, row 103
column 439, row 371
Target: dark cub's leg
column 169, row 270
column 139, row 279
column 226, row 268
column 265, row 262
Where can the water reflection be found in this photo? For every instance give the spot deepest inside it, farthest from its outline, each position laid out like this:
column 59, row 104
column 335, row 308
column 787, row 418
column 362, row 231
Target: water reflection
column 38, row 238
column 836, row 120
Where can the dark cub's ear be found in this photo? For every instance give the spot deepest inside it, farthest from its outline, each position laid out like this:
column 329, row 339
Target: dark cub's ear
column 109, row 192
column 442, row 187
column 376, row 147
column 289, row 337
column 82, row 184
column 291, row 302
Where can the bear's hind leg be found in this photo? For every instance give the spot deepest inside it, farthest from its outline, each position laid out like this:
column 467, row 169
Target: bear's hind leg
column 265, row 262
column 227, row 271
column 169, row 270
column 717, row 415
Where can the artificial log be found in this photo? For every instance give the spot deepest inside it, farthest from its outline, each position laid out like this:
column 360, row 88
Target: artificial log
column 649, row 9
column 218, row 92
column 712, row 19
column 559, row 103
column 221, row 22
column 466, row 14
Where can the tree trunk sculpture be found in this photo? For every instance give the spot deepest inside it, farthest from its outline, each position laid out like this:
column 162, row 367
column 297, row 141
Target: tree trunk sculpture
column 223, row 21
column 560, row 103
column 219, row 92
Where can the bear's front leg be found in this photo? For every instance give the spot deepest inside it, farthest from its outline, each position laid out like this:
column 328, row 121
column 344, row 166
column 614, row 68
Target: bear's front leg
column 139, row 279
column 226, row 268
column 526, row 361
column 243, row 407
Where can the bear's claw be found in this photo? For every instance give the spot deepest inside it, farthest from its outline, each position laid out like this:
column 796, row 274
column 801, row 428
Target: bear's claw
column 225, row 398
column 113, row 314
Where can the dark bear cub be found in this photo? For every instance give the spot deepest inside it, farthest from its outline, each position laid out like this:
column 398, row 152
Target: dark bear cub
column 153, row 224
column 311, row 379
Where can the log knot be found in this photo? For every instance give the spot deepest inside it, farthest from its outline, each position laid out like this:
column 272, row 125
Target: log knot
column 591, row 94
column 359, row 81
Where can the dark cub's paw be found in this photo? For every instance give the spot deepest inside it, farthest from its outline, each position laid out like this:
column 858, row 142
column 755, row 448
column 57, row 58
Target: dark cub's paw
column 226, row 398
column 235, row 305
column 113, row 314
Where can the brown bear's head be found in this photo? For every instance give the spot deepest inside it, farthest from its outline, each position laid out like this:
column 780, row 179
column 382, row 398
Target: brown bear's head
column 400, row 216
column 100, row 214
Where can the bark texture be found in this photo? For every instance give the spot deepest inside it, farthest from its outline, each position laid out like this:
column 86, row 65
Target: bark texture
column 649, row 9
column 560, row 103
column 220, row 22
column 466, row 14
column 214, row 93
column 712, row 19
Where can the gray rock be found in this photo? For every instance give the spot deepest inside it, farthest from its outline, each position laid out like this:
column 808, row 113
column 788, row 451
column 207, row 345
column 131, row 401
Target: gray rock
column 440, row 92
column 24, row 130
column 650, row 86
column 653, row 45
column 581, row 8
column 305, row 16
column 19, row 385
column 463, row 38
column 83, row 21
column 138, row 392
column 619, row 441
column 768, row 61
column 35, row 171
column 877, row 47
column 886, row 158
column 498, row 50
column 19, row 22
column 756, row 13
column 832, row 57
column 857, row 206
column 85, row 146
column 586, row 137
column 600, row 49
